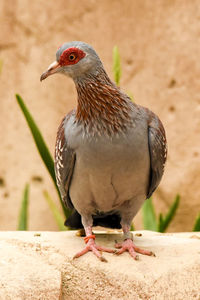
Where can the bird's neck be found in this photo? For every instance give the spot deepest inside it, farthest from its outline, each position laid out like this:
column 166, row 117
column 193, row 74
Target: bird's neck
column 101, row 104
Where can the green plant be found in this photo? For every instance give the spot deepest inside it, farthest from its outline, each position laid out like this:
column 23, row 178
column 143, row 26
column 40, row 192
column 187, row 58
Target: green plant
column 117, row 71
column 149, row 217
column 197, row 224
column 23, row 215
column 165, row 221
column 42, row 147
column 116, row 65
column 1, row 65
column 57, row 216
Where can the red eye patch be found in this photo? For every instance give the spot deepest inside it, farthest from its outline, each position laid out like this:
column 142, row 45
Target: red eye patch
column 71, row 56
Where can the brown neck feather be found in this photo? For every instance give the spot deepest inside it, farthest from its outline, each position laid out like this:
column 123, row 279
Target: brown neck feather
column 101, row 105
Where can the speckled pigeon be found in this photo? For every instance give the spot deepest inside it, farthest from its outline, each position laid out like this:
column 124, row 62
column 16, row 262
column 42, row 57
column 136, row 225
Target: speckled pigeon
column 110, row 152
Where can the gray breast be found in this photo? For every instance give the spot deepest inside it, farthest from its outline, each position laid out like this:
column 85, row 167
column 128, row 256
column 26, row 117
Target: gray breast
column 109, row 171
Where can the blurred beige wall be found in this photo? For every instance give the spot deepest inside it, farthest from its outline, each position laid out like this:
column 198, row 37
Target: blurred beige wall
column 159, row 43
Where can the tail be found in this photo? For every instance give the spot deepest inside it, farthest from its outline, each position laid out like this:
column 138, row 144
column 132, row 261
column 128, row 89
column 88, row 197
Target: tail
column 110, row 221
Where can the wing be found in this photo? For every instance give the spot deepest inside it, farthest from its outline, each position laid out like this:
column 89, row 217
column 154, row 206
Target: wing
column 64, row 163
column 158, row 152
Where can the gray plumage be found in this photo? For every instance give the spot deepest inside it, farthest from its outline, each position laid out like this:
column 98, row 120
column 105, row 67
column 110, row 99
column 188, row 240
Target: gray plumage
column 110, row 152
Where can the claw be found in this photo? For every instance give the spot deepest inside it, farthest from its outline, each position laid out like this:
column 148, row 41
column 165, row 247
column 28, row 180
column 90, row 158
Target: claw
column 103, row 259
column 129, row 246
column 91, row 246
column 118, row 245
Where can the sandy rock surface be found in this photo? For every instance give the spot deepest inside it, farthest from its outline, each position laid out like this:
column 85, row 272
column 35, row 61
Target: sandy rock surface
column 40, row 266
column 159, row 45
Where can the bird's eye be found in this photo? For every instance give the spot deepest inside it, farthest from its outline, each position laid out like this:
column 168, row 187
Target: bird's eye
column 72, row 56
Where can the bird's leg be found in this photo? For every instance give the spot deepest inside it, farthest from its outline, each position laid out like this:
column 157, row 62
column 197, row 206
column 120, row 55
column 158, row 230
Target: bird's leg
column 128, row 245
column 91, row 245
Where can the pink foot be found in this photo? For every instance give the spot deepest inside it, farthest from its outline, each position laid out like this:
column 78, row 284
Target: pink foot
column 129, row 246
column 91, row 246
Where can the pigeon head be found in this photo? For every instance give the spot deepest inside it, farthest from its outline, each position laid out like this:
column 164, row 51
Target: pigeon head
column 74, row 59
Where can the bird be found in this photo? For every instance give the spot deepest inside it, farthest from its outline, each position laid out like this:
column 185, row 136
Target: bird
column 110, row 152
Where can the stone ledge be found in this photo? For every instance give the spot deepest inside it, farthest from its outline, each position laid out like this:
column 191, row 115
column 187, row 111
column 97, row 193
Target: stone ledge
column 36, row 266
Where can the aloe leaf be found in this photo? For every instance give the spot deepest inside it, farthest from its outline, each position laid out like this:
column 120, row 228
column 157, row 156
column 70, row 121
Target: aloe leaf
column 23, row 215
column 1, row 65
column 116, row 65
column 160, row 222
column 149, row 217
column 162, row 226
column 38, row 138
column 132, row 227
column 130, row 96
column 41, row 146
column 197, row 224
column 57, row 215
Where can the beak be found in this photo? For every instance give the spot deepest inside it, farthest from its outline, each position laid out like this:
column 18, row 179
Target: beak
column 52, row 69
